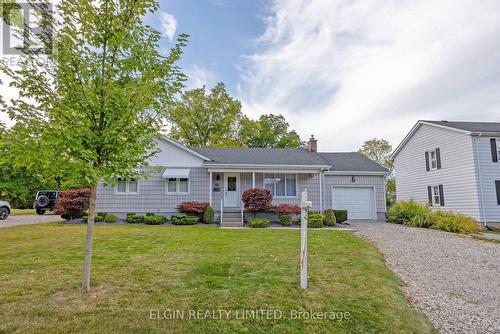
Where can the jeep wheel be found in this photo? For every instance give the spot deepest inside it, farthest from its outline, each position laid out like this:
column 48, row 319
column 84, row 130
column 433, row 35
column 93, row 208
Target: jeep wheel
column 43, row 201
column 4, row 213
column 40, row 212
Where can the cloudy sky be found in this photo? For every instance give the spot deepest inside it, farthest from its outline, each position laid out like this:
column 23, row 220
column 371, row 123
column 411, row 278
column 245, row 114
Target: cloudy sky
column 345, row 71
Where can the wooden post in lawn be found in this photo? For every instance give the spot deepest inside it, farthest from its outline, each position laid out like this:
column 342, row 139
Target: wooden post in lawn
column 304, row 205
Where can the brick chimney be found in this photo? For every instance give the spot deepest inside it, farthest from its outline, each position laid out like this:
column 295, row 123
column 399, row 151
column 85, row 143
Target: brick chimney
column 312, row 144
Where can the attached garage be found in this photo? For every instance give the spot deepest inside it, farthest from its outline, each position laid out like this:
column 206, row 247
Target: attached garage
column 359, row 201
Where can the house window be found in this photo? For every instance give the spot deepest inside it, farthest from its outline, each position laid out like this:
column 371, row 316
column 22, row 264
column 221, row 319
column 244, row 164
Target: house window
column 124, row 186
column 436, row 199
column 178, row 186
column 281, row 184
column 497, row 189
column 433, row 156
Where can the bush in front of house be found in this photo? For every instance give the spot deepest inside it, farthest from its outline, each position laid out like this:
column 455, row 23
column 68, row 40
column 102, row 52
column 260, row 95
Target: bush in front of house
column 134, row 219
column 259, row 223
column 286, row 219
column 315, row 220
column 284, row 209
column 185, row 220
column 196, row 208
column 155, row 220
column 257, row 200
column 330, row 219
column 110, row 218
column 454, row 222
column 340, row 216
column 410, row 213
column 209, row 215
column 99, row 219
column 72, row 203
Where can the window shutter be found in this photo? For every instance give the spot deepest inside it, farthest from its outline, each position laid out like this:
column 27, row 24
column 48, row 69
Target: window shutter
column 497, row 186
column 427, row 167
column 438, row 158
column 494, row 153
column 429, row 192
column 441, row 195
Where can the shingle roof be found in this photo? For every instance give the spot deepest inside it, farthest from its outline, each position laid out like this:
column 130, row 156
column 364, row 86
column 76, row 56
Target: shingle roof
column 345, row 161
column 261, row 156
column 351, row 161
column 470, row 126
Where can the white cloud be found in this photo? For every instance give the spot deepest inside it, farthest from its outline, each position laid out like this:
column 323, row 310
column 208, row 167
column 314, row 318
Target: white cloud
column 348, row 71
column 198, row 77
column 168, row 25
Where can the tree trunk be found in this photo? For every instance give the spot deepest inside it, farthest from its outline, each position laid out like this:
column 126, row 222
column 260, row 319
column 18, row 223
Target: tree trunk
column 88, row 244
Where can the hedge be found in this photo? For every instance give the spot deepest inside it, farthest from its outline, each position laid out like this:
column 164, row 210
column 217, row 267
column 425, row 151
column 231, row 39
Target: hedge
column 315, row 220
column 340, row 216
column 155, row 220
column 330, row 218
column 135, row 219
column 286, row 220
column 209, row 215
column 259, row 223
column 185, row 220
column 110, row 218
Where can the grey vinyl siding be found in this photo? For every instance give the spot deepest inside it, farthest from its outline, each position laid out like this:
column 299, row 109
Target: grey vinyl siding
column 376, row 181
column 487, row 173
column 457, row 174
column 151, row 196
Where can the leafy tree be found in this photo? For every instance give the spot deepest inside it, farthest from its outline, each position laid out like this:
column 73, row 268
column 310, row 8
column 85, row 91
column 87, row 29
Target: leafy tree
column 199, row 119
column 379, row 150
column 100, row 105
column 268, row 131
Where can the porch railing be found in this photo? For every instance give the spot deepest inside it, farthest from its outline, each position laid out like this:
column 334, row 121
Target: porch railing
column 221, row 210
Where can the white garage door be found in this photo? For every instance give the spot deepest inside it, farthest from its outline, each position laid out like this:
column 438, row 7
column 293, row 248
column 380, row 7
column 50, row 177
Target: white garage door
column 358, row 201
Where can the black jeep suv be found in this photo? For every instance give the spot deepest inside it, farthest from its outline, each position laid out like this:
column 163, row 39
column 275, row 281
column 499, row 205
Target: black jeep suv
column 45, row 200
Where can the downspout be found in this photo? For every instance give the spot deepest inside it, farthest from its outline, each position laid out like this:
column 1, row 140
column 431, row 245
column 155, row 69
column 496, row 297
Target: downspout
column 480, row 181
column 321, row 191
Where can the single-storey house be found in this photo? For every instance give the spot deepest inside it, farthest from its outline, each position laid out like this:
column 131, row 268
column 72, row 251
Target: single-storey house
column 218, row 176
column 452, row 166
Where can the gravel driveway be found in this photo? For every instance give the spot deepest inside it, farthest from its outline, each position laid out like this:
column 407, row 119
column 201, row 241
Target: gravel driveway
column 454, row 279
column 28, row 220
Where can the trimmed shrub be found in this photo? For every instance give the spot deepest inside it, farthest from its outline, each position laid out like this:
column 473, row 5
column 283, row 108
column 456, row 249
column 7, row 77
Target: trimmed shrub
column 197, row 208
column 185, row 220
column 330, row 219
column 85, row 219
column 259, row 223
column 131, row 214
column 99, row 219
column 72, row 203
column 135, row 219
column 149, row 214
column 256, row 199
column 284, row 209
column 155, row 220
column 110, row 218
column 101, row 214
column 340, row 216
column 286, row 219
column 454, row 222
column 410, row 213
column 209, row 215
column 315, row 220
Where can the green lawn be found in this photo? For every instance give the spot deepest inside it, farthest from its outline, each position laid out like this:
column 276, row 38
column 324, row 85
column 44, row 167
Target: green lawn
column 139, row 268
column 18, row 212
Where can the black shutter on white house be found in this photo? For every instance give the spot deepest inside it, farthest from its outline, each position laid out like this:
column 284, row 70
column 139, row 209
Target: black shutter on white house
column 438, row 158
column 441, row 195
column 497, row 186
column 429, row 193
column 427, row 167
column 494, row 152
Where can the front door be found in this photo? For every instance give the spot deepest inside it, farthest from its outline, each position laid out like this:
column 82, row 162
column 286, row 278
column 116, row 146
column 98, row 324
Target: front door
column 231, row 190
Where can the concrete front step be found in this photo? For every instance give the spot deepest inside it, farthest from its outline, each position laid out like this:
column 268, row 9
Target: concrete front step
column 231, row 215
column 231, row 224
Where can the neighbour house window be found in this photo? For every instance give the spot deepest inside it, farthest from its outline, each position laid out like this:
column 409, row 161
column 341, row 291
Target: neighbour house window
column 125, row 186
column 497, row 188
column 495, row 149
column 281, row 184
column 177, row 186
column 433, row 159
column 436, row 199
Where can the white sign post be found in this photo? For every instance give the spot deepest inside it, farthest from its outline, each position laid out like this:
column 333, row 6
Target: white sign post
column 304, row 205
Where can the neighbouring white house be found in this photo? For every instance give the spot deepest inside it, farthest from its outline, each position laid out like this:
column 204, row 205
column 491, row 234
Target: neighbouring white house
column 452, row 166
column 338, row 180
